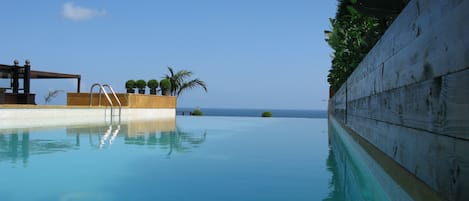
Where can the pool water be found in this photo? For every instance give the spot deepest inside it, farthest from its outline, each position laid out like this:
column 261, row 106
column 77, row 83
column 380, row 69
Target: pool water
column 192, row 158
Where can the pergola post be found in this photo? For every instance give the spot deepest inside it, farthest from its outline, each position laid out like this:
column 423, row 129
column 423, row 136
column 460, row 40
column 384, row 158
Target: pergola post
column 27, row 77
column 15, row 83
column 79, row 85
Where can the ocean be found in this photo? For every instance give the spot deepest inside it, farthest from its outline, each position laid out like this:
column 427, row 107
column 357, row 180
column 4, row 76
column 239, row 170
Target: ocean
column 256, row 112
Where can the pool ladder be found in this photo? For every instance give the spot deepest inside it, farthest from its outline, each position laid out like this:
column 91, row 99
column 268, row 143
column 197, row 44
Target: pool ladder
column 102, row 90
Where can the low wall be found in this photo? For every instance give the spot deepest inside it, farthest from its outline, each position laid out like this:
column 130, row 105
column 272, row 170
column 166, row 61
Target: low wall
column 127, row 100
column 40, row 116
column 410, row 95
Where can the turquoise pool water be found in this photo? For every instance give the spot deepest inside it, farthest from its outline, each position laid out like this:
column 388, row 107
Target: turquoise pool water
column 194, row 158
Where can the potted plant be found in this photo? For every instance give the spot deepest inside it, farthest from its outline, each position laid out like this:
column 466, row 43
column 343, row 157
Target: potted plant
column 153, row 84
column 141, row 84
column 130, row 86
column 165, row 86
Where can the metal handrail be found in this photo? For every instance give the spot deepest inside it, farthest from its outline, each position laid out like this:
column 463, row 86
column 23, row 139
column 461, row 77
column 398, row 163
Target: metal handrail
column 115, row 96
column 101, row 90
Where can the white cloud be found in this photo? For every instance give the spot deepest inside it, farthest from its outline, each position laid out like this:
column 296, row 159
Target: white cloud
column 77, row 13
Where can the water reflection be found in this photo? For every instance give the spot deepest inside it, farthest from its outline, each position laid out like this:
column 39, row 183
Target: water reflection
column 172, row 141
column 336, row 187
column 360, row 171
column 162, row 135
column 351, row 178
column 12, row 148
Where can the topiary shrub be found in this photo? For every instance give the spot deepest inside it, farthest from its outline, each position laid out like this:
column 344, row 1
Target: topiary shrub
column 266, row 114
column 130, row 86
column 165, row 86
column 141, row 84
column 152, row 84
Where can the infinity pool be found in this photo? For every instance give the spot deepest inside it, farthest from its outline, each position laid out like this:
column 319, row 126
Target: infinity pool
column 192, row 158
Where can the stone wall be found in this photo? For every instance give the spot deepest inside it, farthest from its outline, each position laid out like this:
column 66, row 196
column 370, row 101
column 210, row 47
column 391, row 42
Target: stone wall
column 410, row 95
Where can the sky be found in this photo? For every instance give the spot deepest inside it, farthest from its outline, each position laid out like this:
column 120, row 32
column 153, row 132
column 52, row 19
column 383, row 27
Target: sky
column 262, row 54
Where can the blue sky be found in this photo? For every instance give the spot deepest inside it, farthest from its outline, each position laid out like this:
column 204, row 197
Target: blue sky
column 251, row 53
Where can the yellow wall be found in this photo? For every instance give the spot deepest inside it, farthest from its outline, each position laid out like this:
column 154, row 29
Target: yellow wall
column 151, row 101
column 127, row 100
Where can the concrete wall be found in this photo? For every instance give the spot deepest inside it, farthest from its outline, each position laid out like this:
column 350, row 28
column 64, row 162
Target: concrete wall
column 410, row 95
column 41, row 117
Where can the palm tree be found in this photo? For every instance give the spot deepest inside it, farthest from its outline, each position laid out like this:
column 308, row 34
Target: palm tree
column 179, row 83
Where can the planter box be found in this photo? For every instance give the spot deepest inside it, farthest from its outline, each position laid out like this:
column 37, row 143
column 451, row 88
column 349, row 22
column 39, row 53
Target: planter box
column 9, row 98
column 127, row 100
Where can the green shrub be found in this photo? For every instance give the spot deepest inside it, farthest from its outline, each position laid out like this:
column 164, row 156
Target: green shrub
column 152, row 84
column 141, row 84
column 130, row 84
column 165, row 86
column 197, row 112
column 267, row 114
column 354, row 33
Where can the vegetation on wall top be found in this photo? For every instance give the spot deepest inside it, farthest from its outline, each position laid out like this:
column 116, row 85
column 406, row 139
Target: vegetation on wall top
column 152, row 84
column 172, row 84
column 141, row 84
column 130, row 84
column 358, row 25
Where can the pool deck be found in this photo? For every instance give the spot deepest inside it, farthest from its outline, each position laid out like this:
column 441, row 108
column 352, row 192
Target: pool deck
column 30, row 116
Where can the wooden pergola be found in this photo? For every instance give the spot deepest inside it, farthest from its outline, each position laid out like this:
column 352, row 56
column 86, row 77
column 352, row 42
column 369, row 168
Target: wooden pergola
column 16, row 72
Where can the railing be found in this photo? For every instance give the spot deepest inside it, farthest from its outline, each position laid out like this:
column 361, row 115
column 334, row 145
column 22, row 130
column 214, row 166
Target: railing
column 102, row 90
column 115, row 97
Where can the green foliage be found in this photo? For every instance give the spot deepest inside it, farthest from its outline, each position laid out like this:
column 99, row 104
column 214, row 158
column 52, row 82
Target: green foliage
column 152, row 84
column 179, row 83
column 141, row 84
column 165, row 86
column 352, row 10
column 266, row 114
column 197, row 112
column 130, row 84
column 354, row 32
column 351, row 38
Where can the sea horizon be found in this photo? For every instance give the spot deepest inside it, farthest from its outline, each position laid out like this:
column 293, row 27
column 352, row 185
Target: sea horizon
column 250, row 112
